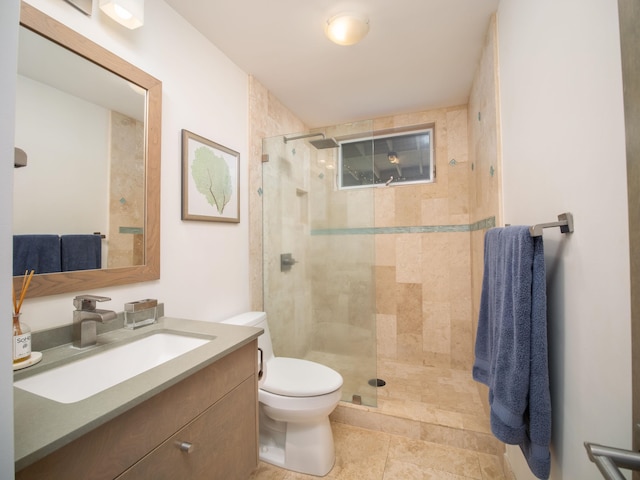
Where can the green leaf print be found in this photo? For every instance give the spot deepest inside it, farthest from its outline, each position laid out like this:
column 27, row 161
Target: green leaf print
column 211, row 175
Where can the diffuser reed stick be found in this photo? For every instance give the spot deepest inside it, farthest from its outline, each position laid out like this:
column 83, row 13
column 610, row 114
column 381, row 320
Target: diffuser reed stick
column 26, row 280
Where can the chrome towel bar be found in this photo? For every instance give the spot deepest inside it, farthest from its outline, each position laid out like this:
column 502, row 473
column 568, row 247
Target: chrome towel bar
column 565, row 222
column 608, row 459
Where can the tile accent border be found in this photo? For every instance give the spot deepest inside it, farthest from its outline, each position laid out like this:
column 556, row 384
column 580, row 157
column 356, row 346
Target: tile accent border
column 472, row 227
column 131, row 230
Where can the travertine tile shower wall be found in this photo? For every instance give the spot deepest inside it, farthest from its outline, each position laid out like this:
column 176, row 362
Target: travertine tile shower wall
column 126, row 193
column 485, row 158
column 423, row 265
column 423, row 280
column 268, row 118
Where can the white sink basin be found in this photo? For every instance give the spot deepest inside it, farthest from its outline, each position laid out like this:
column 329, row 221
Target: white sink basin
column 87, row 376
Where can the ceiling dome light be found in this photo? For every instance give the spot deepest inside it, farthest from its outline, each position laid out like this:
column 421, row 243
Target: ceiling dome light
column 346, row 28
column 129, row 13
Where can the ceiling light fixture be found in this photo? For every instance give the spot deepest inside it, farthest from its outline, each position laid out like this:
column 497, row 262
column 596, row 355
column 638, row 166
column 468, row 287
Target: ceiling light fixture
column 346, row 28
column 129, row 13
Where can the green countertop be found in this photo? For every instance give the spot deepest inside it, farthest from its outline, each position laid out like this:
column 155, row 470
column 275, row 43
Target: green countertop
column 41, row 426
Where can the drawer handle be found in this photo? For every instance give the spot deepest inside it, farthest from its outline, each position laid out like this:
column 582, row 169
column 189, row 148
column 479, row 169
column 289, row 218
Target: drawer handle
column 260, row 369
column 186, row 447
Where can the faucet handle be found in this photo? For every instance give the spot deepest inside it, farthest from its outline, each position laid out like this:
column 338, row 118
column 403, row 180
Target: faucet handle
column 88, row 302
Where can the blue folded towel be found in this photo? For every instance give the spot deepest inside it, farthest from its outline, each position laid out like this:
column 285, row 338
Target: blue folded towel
column 511, row 343
column 40, row 253
column 81, row 252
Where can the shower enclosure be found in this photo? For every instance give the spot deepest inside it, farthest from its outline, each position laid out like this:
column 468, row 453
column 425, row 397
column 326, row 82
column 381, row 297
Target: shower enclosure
column 318, row 254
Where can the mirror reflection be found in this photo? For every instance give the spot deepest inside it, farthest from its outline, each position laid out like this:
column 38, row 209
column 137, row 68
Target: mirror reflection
column 82, row 129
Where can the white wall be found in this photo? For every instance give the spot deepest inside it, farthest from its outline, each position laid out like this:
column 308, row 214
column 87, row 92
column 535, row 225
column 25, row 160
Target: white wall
column 563, row 150
column 204, row 265
column 69, row 143
column 9, row 14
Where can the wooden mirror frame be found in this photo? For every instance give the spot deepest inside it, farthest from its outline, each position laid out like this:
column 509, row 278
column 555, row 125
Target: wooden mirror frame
column 65, row 282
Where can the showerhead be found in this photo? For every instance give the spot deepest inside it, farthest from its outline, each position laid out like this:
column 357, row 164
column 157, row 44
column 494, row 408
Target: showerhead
column 323, row 143
column 320, row 144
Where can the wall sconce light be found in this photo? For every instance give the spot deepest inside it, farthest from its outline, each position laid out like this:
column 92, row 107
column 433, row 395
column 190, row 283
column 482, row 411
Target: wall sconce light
column 129, row 13
column 393, row 158
column 346, row 28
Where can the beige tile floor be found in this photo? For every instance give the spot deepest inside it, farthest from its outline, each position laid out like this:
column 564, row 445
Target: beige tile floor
column 429, row 424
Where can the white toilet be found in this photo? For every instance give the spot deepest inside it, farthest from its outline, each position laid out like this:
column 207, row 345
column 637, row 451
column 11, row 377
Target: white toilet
column 296, row 397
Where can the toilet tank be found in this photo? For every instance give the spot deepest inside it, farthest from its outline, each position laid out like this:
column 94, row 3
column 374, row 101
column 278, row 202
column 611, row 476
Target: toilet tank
column 255, row 319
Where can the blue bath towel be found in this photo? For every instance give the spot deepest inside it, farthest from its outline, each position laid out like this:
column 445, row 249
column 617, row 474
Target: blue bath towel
column 81, row 252
column 40, row 253
column 511, row 343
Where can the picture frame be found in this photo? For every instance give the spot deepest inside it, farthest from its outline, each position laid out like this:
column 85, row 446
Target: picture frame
column 210, row 180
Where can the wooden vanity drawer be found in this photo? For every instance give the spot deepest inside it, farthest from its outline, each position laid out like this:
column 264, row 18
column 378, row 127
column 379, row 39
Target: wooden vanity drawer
column 112, row 448
column 219, row 447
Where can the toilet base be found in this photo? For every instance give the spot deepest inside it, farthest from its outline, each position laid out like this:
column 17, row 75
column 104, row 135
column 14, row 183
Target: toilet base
column 302, row 447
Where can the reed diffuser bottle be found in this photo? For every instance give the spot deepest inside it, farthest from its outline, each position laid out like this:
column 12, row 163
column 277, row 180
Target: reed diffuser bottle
column 21, row 340
column 21, row 331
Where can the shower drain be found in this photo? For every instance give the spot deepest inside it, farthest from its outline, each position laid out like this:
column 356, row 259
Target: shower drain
column 377, row 382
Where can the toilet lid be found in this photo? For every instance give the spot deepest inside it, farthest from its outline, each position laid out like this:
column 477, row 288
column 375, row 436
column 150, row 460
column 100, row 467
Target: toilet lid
column 294, row 377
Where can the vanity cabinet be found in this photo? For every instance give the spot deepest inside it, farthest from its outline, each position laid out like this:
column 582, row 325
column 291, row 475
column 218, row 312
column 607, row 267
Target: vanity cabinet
column 203, row 427
column 213, row 446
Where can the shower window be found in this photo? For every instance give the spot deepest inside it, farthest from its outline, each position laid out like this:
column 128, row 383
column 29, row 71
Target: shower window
column 387, row 159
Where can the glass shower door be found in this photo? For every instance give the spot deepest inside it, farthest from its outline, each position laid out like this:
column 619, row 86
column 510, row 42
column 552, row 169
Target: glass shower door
column 318, row 254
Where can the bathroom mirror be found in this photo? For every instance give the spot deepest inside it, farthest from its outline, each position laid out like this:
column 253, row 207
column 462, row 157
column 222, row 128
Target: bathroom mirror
column 147, row 264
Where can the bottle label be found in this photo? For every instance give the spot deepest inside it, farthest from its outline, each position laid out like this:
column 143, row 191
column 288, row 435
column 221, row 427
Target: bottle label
column 21, row 346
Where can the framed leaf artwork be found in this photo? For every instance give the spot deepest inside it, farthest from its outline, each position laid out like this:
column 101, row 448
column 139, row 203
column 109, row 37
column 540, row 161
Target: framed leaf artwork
column 210, row 180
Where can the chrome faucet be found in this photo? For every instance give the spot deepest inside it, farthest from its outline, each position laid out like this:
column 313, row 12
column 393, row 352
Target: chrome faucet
column 85, row 317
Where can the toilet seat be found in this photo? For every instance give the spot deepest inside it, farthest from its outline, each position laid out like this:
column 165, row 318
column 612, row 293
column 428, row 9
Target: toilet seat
column 294, row 377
